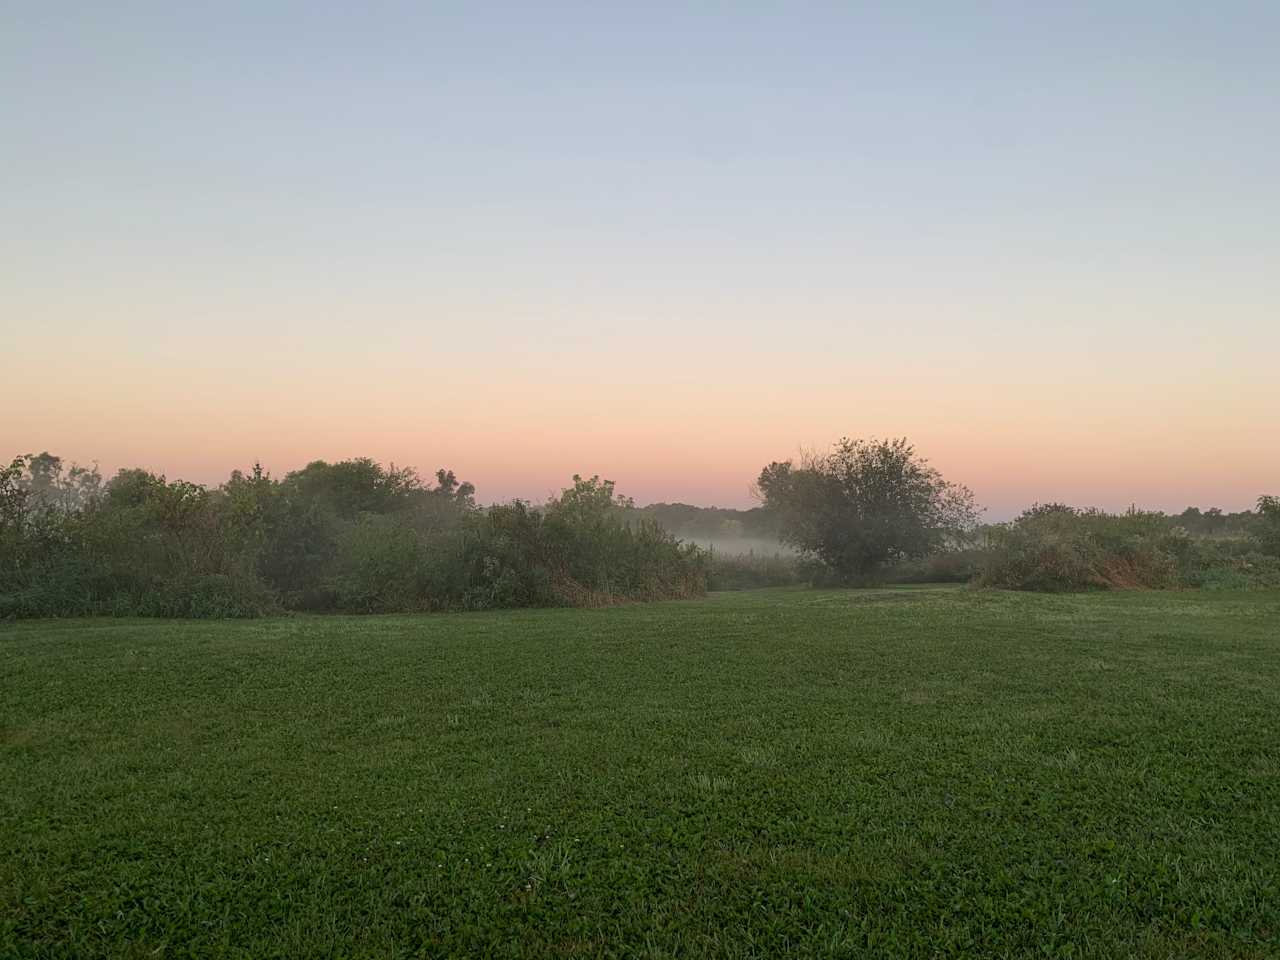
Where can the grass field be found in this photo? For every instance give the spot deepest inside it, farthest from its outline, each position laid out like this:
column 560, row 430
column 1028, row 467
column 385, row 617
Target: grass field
column 915, row 772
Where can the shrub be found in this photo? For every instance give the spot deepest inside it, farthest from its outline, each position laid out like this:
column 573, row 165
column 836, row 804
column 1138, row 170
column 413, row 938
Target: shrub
column 1056, row 548
column 949, row 566
column 504, row 560
column 1268, row 526
column 582, row 549
column 377, row 568
column 347, row 537
column 1231, row 565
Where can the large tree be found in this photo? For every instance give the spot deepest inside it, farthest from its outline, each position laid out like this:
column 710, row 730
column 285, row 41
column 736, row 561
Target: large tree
column 864, row 503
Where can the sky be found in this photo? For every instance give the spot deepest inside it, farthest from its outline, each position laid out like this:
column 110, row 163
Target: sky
column 663, row 243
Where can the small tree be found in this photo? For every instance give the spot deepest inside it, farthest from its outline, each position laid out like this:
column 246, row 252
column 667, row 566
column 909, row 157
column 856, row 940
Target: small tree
column 865, row 503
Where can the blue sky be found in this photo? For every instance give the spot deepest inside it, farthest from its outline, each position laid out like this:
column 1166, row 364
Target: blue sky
column 527, row 222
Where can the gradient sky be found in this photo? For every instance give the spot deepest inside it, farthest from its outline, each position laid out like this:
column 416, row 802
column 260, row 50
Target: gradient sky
column 666, row 243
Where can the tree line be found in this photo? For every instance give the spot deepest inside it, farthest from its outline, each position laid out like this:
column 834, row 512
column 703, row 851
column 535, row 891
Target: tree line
column 351, row 536
column 355, row 536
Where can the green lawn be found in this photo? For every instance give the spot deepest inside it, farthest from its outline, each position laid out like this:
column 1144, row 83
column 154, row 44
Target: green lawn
column 918, row 772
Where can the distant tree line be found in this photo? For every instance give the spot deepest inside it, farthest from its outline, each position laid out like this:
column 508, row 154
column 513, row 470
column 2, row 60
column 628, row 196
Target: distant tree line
column 352, row 536
column 874, row 511
column 355, row 536
column 1213, row 522
column 713, row 524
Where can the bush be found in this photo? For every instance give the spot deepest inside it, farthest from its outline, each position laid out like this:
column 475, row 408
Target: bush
column 357, row 537
column 377, row 568
column 504, row 560
column 580, row 550
column 950, row 566
column 1231, row 565
column 1268, row 526
column 1058, row 548
column 1055, row 548
column 349, row 537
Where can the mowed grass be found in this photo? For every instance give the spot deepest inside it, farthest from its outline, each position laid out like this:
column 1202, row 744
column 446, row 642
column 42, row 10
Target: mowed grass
column 925, row 772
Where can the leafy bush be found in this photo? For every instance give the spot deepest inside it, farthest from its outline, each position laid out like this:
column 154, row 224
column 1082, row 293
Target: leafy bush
column 357, row 537
column 946, row 566
column 1268, row 525
column 1054, row 548
column 349, row 536
column 377, row 567
column 581, row 550
column 504, row 560
column 1231, row 565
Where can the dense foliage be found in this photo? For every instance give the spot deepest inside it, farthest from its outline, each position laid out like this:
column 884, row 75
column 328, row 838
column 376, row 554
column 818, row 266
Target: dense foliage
column 1053, row 547
column 349, row 536
column 1267, row 526
column 359, row 537
column 1214, row 522
column 866, row 504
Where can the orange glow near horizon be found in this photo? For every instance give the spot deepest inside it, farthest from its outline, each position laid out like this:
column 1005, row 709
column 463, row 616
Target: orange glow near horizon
column 668, row 245
column 662, row 436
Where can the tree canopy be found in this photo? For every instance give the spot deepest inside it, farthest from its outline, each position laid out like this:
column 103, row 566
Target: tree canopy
column 865, row 503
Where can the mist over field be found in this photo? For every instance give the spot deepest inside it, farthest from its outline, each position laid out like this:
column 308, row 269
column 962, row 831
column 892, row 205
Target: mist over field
column 739, row 546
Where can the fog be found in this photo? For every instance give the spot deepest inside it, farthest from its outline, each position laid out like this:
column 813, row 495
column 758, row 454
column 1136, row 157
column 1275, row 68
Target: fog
column 741, row 546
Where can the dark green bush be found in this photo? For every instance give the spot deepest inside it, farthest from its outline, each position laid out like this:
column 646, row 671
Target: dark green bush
column 378, row 567
column 582, row 549
column 1268, row 526
column 948, row 566
column 1058, row 548
column 348, row 537
column 357, row 537
column 1231, row 565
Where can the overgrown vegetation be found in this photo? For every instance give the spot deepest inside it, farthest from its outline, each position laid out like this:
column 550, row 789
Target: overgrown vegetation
column 1054, row 547
column 1268, row 525
column 359, row 537
column 351, row 536
column 924, row 773
column 876, row 512
column 749, row 571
